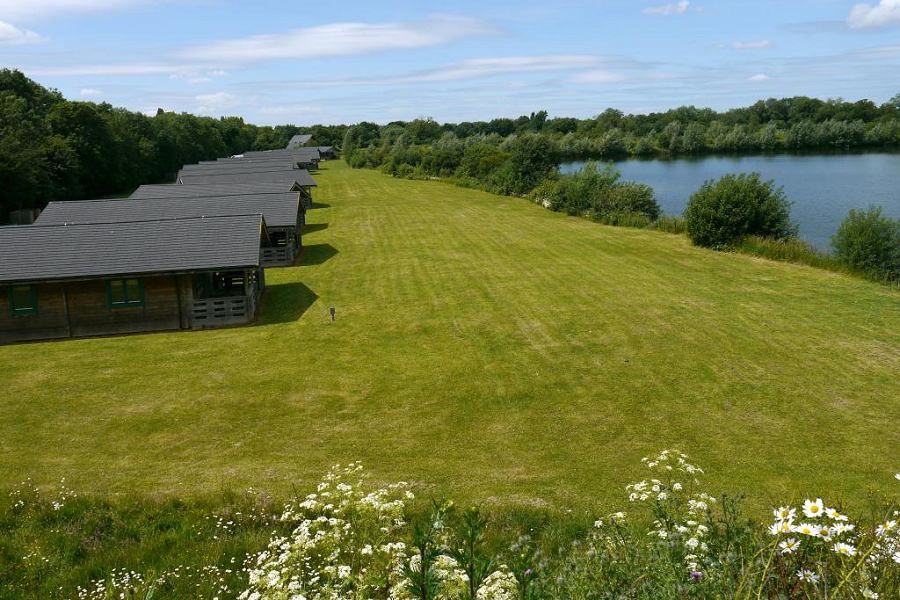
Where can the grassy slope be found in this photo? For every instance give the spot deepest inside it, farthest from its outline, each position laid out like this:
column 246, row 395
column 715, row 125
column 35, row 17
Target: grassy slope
column 488, row 348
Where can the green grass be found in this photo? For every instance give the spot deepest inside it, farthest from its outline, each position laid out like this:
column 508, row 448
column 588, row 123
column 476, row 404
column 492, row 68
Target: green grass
column 486, row 349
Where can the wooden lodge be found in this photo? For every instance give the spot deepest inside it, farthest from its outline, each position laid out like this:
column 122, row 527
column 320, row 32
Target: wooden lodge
column 62, row 281
column 283, row 213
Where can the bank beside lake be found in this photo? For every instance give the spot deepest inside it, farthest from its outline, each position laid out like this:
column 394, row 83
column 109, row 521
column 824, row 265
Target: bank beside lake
column 823, row 188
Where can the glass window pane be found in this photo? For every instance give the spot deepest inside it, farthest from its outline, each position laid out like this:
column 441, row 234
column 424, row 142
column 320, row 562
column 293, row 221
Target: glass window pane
column 133, row 291
column 117, row 291
column 22, row 297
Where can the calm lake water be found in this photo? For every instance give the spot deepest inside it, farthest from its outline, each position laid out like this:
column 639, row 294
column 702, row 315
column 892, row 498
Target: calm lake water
column 822, row 188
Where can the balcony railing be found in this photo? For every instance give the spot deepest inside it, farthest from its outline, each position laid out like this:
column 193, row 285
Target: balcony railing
column 213, row 312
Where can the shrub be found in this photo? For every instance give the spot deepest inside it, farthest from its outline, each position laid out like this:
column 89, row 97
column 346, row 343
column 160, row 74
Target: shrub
column 725, row 211
column 597, row 192
column 634, row 198
column 870, row 242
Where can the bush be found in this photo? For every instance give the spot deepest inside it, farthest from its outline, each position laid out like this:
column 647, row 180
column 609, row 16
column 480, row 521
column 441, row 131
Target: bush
column 597, row 192
column 870, row 242
column 722, row 213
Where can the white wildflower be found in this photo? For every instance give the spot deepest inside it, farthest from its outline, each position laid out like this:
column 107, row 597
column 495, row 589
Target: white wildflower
column 844, row 549
column 789, row 546
column 813, row 508
column 808, row 576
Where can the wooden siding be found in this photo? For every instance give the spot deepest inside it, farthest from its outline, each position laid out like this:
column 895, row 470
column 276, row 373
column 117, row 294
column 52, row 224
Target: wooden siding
column 79, row 308
column 49, row 322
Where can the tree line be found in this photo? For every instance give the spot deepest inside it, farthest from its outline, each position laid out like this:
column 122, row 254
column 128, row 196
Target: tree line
column 57, row 149
column 786, row 124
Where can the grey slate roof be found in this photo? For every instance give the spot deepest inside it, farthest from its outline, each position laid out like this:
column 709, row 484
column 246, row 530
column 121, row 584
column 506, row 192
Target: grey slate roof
column 174, row 190
column 56, row 252
column 288, row 159
column 296, row 177
column 299, row 140
column 215, row 169
column 279, row 210
column 301, row 152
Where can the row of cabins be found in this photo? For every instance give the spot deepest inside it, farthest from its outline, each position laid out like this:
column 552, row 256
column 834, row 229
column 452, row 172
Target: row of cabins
column 188, row 255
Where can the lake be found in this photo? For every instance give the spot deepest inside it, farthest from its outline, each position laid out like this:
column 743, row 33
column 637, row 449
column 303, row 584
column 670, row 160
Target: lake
column 822, row 188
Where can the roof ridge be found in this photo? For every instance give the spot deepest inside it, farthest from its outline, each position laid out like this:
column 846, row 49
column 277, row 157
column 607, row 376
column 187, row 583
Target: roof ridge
column 159, row 220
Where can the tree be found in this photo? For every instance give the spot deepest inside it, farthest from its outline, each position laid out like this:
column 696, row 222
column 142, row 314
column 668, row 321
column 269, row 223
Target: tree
column 869, row 241
column 694, row 138
column 531, row 159
column 725, row 211
column 423, row 131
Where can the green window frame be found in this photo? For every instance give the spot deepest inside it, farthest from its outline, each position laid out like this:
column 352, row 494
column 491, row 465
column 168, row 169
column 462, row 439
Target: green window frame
column 124, row 293
column 23, row 300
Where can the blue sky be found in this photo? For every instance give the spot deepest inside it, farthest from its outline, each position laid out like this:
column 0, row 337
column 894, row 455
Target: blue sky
column 321, row 62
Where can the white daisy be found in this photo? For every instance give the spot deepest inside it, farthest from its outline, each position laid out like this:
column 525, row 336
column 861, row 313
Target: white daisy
column 844, row 549
column 806, row 529
column 789, row 546
column 807, row 575
column 785, row 513
column 779, row 527
column 813, row 509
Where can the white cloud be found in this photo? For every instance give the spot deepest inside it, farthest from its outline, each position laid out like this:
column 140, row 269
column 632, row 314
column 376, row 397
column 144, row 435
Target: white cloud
column 752, row 45
column 338, row 39
column 667, row 10
column 597, row 76
column 215, row 103
column 90, row 92
column 105, row 69
column 13, row 36
column 864, row 16
column 759, row 77
column 482, row 67
column 16, row 10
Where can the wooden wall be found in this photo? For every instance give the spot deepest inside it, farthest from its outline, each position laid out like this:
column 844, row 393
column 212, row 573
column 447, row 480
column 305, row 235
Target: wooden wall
column 88, row 313
column 50, row 322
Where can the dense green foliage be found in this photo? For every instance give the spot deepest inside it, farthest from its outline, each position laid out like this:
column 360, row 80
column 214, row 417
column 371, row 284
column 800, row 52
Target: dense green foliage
column 726, row 210
column 597, row 193
column 55, row 149
column 869, row 241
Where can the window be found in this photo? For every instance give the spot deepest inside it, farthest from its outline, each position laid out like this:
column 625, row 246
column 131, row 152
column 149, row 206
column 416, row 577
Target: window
column 124, row 293
column 23, row 300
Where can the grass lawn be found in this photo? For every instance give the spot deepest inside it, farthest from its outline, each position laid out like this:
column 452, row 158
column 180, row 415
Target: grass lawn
column 486, row 349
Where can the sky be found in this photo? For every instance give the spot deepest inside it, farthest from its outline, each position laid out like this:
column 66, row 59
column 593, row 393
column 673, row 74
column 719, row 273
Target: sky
column 343, row 62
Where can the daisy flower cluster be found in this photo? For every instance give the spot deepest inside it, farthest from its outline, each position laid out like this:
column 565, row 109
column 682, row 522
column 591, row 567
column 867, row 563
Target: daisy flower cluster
column 887, row 541
column 822, row 543
column 813, row 523
column 680, row 509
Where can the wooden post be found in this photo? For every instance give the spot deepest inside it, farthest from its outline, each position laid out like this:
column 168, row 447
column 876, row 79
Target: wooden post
column 66, row 309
